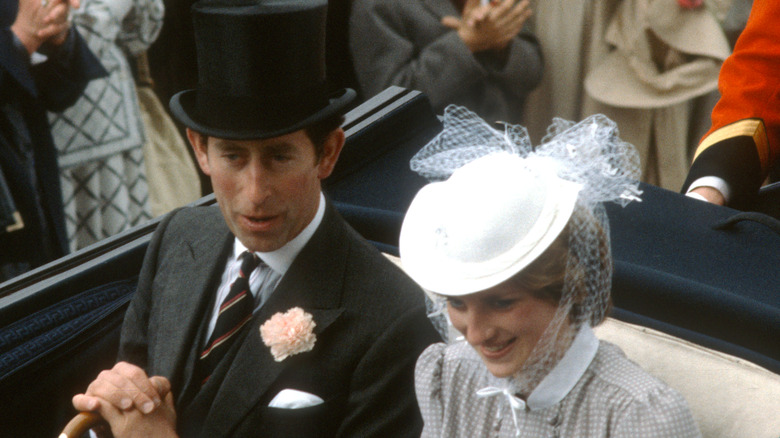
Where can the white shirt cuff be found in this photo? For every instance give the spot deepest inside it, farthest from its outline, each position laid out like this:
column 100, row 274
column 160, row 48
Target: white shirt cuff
column 715, row 182
column 696, row 196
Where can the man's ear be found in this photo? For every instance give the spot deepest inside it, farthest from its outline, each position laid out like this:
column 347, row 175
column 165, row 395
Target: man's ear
column 331, row 149
column 199, row 144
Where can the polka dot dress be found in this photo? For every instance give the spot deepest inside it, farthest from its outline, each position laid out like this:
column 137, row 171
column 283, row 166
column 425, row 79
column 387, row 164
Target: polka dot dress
column 613, row 398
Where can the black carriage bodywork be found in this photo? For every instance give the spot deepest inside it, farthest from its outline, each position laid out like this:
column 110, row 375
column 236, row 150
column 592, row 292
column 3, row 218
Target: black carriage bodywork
column 703, row 273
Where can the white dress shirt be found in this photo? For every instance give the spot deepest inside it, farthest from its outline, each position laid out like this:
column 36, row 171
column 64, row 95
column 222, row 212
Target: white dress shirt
column 263, row 280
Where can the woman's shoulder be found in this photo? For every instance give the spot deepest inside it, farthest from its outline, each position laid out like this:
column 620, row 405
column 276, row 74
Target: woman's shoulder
column 613, row 369
column 447, row 378
column 449, row 370
column 637, row 399
column 443, row 361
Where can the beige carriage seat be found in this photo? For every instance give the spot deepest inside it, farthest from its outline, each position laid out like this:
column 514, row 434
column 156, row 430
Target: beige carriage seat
column 729, row 397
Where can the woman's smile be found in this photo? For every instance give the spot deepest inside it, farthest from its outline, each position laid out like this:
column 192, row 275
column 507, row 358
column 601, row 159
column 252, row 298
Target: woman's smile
column 497, row 348
column 495, row 352
column 503, row 324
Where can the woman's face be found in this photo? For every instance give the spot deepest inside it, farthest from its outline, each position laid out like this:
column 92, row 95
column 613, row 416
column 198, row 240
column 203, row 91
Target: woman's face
column 502, row 323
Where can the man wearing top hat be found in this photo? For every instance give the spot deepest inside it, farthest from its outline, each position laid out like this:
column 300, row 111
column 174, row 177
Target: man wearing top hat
column 333, row 330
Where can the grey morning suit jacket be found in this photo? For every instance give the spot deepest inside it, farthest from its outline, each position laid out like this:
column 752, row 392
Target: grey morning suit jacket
column 370, row 325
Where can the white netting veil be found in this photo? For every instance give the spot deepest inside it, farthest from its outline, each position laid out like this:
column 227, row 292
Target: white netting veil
column 590, row 154
column 464, row 138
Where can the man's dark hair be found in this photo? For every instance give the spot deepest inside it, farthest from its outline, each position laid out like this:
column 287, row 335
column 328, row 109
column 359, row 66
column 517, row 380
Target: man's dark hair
column 319, row 131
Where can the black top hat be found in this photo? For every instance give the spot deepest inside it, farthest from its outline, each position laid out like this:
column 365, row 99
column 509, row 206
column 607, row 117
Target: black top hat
column 261, row 69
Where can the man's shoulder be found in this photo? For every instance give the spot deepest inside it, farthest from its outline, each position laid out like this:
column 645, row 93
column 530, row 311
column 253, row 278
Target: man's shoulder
column 190, row 225
column 194, row 220
column 368, row 278
column 366, row 258
column 381, row 287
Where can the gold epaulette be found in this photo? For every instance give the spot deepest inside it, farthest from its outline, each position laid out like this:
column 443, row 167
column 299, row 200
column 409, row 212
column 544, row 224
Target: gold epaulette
column 743, row 128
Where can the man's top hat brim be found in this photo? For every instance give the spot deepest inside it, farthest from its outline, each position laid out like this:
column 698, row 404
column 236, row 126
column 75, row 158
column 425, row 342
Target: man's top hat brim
column 183, row 106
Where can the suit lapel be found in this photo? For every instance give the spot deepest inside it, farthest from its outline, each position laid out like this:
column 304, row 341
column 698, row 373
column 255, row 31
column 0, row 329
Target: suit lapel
column 196, row 274
column 314, row 283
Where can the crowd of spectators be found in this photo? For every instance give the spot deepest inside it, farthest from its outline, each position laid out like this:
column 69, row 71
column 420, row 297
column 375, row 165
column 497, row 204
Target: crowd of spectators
column 77, row 145
column 651, row 65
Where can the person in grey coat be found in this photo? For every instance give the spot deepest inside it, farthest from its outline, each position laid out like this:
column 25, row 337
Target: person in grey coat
column 481, row 56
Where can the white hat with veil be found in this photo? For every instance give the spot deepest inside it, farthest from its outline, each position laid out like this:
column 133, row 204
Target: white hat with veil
column 496, row 203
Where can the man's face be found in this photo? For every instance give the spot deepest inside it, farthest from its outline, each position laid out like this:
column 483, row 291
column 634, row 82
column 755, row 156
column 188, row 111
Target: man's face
column 268, row 190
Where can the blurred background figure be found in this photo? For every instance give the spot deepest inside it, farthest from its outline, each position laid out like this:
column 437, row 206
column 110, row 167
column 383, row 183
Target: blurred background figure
column 170, row 171
column 174, row 66
column 650, row 65
column 100, row 138
column 44, row 65
column 478, row 55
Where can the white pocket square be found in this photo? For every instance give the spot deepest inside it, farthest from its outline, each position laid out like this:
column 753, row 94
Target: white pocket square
column 294, row 399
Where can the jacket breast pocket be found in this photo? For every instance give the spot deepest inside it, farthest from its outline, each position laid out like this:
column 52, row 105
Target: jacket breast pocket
column 322, row 420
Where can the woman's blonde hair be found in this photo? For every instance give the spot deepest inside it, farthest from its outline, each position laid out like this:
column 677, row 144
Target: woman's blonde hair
column 545, row 277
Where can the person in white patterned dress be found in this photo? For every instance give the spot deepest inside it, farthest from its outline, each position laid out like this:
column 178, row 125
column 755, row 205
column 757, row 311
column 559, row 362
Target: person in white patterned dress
column 515, row 241
column 100, row 138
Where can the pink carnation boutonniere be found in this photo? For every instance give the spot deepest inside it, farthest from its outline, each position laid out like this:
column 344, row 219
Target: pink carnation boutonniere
column 690, row 4
column 289, row 333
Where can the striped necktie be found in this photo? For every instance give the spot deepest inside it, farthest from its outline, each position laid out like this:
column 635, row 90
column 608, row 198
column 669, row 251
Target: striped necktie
column 234, row 312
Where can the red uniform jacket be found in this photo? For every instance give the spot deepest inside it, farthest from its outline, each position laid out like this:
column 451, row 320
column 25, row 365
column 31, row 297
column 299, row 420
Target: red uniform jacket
column 744, row 140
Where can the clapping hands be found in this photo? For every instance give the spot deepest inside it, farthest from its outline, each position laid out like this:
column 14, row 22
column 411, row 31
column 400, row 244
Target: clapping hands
column 43, row 21
column 491, row 26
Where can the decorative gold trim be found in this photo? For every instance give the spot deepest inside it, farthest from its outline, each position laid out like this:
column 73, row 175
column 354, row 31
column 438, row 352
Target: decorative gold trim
column 753, row 128
column 18, row 223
